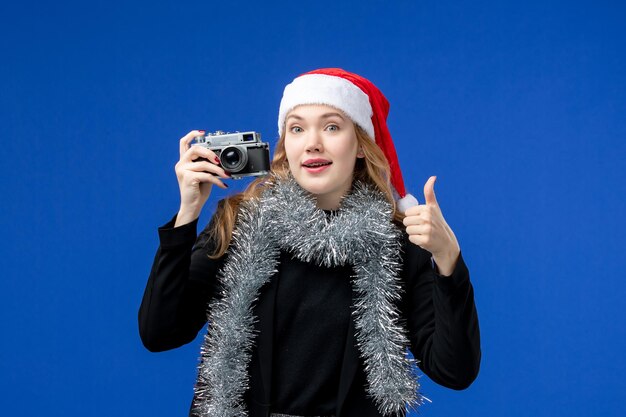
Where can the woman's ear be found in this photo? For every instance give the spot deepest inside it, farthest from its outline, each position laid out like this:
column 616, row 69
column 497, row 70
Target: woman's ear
column 360, row 153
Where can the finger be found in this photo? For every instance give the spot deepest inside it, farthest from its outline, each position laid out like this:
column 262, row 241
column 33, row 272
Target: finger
column 186, row 140
column 204, row 166
column 412, row 211
column 419, row 240
column 413, row 220
column 417, row 230
column 195, row 152
column 204, row 178
column 429, row 191
column 416, row 210
column 420, row 213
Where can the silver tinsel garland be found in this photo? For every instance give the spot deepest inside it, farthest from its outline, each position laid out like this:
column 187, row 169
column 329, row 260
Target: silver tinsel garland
column 360, row 234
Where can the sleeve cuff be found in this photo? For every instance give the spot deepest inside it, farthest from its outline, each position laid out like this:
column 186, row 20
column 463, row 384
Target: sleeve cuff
column 459, row 276
column 171, row 236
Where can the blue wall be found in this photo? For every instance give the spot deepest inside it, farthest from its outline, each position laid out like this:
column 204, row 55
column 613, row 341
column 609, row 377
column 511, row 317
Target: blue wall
column 517, row 107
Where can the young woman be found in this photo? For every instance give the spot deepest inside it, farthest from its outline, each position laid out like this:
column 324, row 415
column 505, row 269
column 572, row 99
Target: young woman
column 317, row 278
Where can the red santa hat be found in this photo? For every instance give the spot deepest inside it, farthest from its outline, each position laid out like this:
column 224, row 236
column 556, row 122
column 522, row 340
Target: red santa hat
column 360, row 100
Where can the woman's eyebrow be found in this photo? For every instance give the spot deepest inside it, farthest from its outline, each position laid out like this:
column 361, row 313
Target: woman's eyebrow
column 327, row 115
column 323, row 116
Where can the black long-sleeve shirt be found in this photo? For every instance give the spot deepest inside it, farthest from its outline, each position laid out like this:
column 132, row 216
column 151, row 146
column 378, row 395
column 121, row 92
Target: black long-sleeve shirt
column 311, row 315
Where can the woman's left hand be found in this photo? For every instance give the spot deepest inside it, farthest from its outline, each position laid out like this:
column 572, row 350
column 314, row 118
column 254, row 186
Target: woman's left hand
column 428, row 229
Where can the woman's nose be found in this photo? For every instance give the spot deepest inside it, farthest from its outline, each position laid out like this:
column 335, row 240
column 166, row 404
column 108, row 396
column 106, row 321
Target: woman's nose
column 314, row 142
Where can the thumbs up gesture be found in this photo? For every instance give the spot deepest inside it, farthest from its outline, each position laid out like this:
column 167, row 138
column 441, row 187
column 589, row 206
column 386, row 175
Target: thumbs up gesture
column 428, row 229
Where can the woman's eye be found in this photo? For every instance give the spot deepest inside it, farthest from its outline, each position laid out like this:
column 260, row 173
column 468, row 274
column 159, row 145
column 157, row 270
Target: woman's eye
column 332, row 128
column 295, row 129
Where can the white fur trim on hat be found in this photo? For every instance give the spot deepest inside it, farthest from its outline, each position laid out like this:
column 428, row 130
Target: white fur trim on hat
column 406, row 202
column 330, row 90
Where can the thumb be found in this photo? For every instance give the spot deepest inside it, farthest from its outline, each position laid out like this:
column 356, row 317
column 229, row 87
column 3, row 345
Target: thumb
column 429, row 191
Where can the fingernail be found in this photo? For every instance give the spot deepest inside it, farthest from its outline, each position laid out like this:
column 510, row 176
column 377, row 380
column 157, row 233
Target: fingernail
column 226, row 185
column 217, row 160
column 201, row 131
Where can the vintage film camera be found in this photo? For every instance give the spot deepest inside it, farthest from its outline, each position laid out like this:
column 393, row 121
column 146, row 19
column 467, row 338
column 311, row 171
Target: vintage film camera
column 241, row 154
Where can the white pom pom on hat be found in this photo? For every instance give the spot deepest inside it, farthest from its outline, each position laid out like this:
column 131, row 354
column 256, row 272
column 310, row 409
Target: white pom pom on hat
column 360, row 100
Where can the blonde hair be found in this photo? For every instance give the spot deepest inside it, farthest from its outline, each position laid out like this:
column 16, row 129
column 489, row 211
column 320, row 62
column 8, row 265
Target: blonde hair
column 372, row 169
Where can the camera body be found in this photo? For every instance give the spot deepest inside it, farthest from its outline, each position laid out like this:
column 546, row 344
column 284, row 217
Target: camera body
column 241, row 154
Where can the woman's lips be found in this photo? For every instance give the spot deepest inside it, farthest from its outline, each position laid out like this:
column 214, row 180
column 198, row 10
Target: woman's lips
column 316, row 165
column 315, row 169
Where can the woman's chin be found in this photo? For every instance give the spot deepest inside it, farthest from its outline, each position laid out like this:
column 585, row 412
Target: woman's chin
column 316, row 187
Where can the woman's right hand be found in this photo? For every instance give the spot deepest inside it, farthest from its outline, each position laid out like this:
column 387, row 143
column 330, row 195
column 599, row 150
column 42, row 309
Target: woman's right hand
column 196, row 178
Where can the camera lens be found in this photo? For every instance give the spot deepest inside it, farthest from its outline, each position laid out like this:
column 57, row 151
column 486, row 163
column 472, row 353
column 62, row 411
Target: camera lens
column 233, row 158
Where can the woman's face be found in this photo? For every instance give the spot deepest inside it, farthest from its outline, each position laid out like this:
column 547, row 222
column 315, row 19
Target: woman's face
column 321, row 148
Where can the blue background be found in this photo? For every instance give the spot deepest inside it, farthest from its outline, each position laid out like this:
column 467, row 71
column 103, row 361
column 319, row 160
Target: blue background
column 517, row 107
